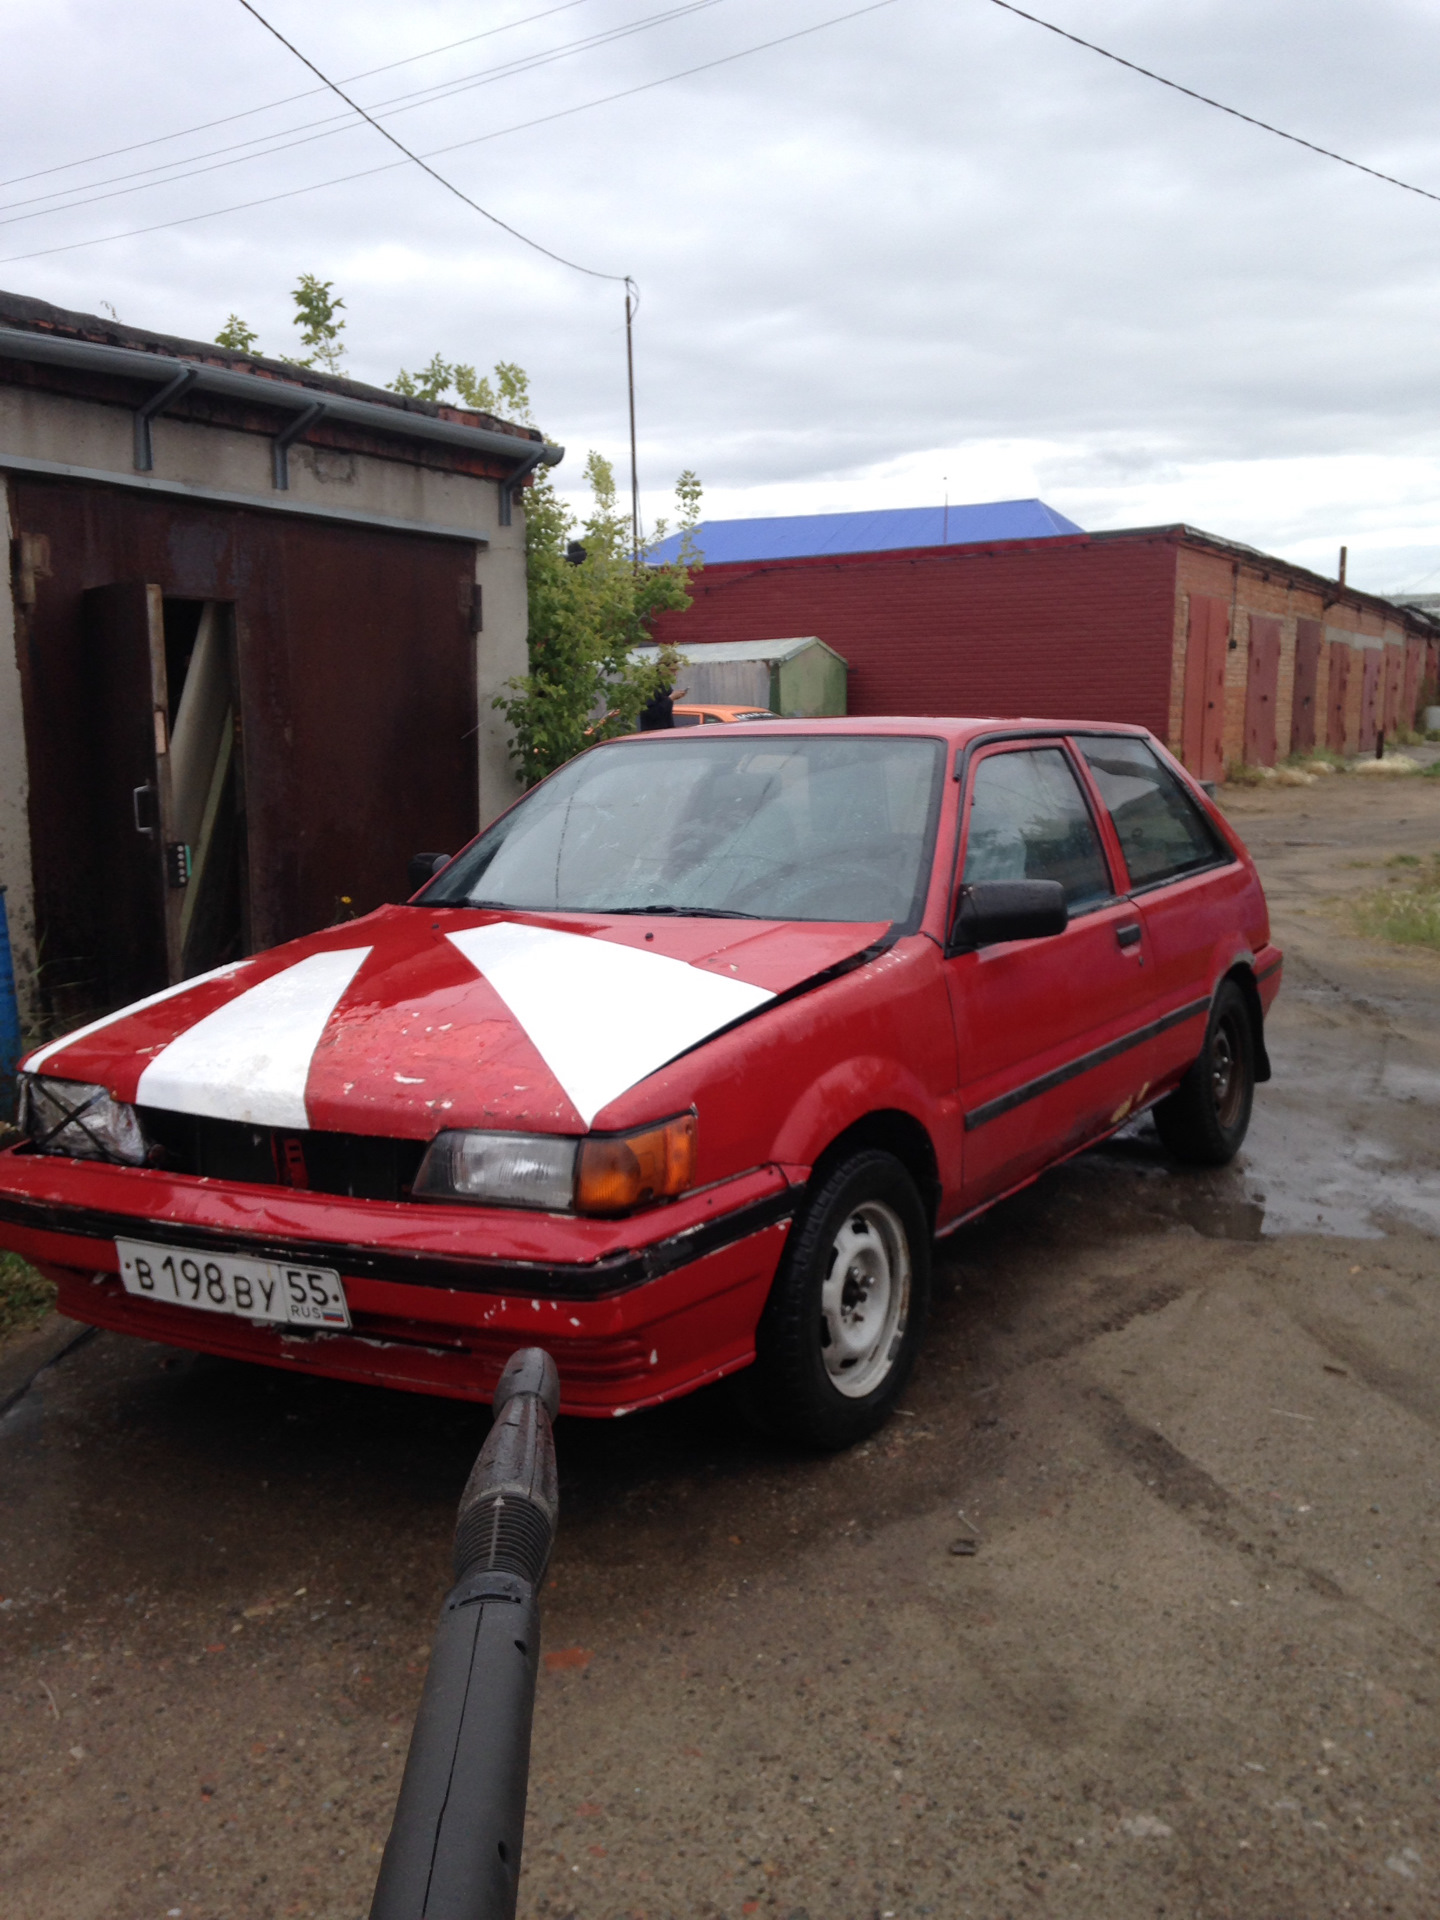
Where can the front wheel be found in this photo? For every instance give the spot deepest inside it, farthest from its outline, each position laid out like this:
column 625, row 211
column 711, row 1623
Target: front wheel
column 839, row 1334
column 1205, row 1119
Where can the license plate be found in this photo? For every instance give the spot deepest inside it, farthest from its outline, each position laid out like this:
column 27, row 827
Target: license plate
column 225, row 1283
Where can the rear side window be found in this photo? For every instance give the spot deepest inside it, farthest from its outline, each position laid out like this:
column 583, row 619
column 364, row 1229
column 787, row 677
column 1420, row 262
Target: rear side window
column 1163, row 834
column 1029, row 821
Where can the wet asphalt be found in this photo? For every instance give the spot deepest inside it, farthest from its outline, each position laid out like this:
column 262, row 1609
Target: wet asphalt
column 1132, row 1610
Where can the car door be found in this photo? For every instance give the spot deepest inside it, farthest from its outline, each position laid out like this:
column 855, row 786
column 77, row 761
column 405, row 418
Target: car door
column 1050, row 1032
column 1190, row 890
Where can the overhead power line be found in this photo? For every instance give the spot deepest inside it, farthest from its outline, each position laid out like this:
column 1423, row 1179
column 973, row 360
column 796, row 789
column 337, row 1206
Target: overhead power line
column 331, row 125
column 480, row 139
column 288, row 99
column 1327, row 153
column 594, row 273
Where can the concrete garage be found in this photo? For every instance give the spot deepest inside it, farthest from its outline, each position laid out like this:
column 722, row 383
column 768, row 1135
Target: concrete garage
column 256, row 619
column 1227, row 654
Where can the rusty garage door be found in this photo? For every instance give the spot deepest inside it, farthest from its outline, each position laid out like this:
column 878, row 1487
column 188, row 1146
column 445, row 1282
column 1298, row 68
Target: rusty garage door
column 1262, row 690
column 1207, row 632
column 333, row 734
column 1308, row 640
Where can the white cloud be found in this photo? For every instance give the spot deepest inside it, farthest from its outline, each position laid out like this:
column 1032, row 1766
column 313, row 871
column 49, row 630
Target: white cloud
column 932, row 241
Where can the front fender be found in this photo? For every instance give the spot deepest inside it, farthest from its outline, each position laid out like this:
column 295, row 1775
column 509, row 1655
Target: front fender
column 852, row 1088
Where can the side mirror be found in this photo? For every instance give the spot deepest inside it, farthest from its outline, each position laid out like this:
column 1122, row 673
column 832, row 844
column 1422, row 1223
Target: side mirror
column 996, row 910
column 425, row 866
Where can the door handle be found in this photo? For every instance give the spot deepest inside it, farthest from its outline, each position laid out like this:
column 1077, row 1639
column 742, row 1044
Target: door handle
column 1128, row 935
column 142, row 801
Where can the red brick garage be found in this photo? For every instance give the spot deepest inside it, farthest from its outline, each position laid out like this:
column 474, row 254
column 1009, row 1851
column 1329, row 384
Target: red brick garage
column 1226, row 653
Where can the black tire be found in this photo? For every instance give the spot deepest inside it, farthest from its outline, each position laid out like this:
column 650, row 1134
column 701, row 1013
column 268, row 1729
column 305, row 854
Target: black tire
column 826, row 1375
column 1205, row 1119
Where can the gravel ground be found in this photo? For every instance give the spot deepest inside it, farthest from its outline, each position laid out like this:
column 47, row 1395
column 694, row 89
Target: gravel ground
column 1132, row 1611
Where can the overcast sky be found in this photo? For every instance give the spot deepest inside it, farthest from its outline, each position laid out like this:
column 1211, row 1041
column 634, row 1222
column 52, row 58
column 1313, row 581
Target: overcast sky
column 931, row 245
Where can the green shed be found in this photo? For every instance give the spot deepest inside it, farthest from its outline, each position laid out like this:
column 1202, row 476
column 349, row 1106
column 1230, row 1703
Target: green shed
column 802, row 679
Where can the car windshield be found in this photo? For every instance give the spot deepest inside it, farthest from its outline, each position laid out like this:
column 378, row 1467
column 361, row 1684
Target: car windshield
column 792, row 827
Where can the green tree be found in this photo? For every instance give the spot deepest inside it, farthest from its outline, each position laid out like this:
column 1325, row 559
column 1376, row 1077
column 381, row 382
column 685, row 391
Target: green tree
column 584, row 683
column 508, row 393
column 237, row 336
column 585, row 619
column 315, row 309
column 431, row 383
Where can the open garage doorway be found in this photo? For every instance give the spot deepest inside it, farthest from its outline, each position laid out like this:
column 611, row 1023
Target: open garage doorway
column 207, row 784
column 169, row 816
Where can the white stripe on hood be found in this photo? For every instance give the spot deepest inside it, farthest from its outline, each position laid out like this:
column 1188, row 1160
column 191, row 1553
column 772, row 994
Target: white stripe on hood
column 42, row 1054
column 602, row 1016
column 250, row 1059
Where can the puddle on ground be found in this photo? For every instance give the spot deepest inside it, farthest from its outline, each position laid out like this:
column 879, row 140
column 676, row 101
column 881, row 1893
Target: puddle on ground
column 1296, row 1174
column 1345, row 1141
column 1132, row 1185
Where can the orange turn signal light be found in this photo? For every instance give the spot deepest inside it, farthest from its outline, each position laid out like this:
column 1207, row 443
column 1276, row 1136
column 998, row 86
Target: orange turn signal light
column 619, row 1171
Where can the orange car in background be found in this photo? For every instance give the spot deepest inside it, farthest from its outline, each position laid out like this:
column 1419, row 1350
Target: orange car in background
column 705, row 716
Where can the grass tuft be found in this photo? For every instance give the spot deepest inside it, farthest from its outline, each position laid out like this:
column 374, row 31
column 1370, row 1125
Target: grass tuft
column 25, row 1298
column 1406, row 913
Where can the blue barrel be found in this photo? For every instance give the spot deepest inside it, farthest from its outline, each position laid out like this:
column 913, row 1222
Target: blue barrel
column 9, row 1018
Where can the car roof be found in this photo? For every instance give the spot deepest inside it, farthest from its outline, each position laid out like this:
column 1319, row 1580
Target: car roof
column 958, row 731
column 720, row 706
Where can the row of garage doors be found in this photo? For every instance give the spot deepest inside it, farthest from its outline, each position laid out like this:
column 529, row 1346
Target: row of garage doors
column 1344, row 693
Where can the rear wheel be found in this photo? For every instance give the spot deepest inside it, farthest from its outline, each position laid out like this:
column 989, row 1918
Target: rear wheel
column 1205, row 1119
column 839, row 1334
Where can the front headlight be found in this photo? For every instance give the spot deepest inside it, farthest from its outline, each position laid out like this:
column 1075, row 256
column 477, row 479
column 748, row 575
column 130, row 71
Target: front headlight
column 501, row 1169
column 83, row 1122
column 605, row 1173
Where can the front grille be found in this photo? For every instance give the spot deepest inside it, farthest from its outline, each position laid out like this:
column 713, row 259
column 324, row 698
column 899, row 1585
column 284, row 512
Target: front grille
column 362, row 1166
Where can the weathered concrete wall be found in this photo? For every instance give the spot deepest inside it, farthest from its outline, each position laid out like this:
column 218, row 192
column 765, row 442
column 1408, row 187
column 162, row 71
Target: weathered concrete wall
column 87, row 433
column 501, row 654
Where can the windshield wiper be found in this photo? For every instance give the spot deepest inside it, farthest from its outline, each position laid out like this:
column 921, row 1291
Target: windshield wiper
column 687, row 913
column 508, row 906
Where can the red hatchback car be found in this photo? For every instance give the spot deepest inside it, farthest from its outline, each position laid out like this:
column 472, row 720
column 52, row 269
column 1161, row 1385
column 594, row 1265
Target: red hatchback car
column 678, row 1069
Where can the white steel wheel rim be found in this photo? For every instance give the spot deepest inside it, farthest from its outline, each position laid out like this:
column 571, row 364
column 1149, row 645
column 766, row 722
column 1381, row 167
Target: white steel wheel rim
column 864, row 1299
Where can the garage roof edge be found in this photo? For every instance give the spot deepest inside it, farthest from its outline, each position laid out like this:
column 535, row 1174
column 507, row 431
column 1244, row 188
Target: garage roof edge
column 1180, row 533
column 279, row 388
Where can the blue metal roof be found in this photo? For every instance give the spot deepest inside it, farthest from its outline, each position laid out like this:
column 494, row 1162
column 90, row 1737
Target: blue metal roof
column 793, row 536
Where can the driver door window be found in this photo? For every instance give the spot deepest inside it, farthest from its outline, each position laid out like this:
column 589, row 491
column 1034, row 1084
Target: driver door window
column 1046, row 1029
column 1029, row 821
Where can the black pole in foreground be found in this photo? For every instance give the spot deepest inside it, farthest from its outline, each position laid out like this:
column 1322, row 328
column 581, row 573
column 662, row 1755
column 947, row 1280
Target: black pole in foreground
column 454, row 1847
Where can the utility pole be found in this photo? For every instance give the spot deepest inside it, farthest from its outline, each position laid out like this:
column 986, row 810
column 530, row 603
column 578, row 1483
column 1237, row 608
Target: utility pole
column 631, row 307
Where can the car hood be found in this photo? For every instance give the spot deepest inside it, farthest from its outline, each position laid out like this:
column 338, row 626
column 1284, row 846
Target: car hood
column 413, row 1018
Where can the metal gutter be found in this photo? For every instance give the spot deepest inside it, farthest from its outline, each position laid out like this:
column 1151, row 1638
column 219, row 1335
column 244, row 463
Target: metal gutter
column 516, row 480
column 221, row 497
column 256, row 390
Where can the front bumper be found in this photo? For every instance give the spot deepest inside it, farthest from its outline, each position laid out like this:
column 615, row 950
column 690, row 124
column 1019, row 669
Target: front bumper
column 634, row 1311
